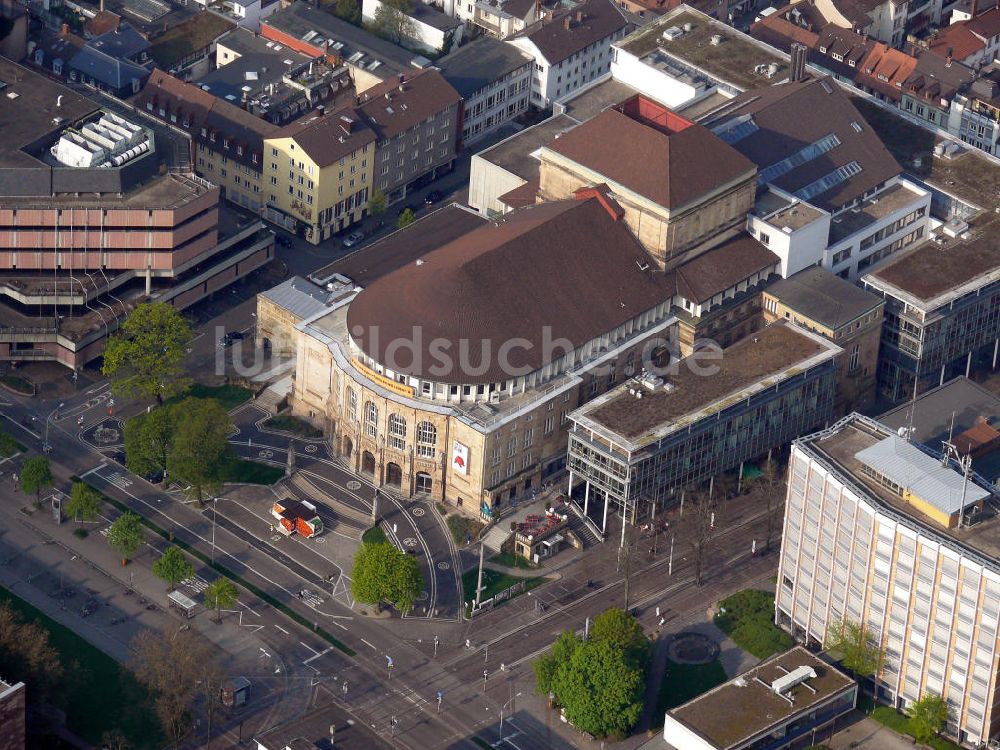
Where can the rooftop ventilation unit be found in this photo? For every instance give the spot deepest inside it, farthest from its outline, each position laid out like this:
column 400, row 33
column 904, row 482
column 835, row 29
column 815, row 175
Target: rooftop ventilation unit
column 672, row 33
column 796, row 677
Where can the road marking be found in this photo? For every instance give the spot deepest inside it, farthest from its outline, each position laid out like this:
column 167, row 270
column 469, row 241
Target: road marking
column 316, row 656
column 369, row 645
column 309, row 647
column 30, row 432
column 94, row 470
column 282, row 630
column 196, row 582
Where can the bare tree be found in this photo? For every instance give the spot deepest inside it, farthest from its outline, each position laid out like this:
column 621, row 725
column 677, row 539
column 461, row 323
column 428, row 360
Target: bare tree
column 698, row 525
column 179, row 668
column 772, row 485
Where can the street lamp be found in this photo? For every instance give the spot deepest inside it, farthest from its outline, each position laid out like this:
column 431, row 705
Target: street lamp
column 389, row 665
column 45, row 444
column 504, row 708
column 215, row 502
column 485, row 675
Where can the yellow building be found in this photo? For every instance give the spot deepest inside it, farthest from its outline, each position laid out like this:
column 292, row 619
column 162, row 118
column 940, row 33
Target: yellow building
column 318, row 173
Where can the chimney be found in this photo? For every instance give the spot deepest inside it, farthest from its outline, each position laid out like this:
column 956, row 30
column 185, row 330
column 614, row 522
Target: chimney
column 947, row 60
column 65, row 27
column 102, row 6
column 579, row 15
column 798, row 63
column 972, row 12
column 566, row 21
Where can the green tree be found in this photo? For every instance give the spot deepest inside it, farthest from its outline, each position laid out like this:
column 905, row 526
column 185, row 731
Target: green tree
column 349, row 10
column 621, row 629
column 125, row 535
column 382, row 573
column 600, row 691
column 221, row 594
column 393, row 22
column 405, row 219
column 36, row 476
column 858, row 649
column 173, row 567
column 25, row 653
column 200, row 445
column 146, row 357
column 84, row 502
column 547, row 665
column 148, row 438
column 377, row 204
column 8, row 445
column 928, row 716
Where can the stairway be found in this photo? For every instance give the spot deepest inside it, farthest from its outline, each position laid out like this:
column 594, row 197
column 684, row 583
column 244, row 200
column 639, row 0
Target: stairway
column 582, row 529
column 496, row 536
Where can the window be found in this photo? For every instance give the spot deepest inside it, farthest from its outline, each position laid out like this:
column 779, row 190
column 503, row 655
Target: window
column 550, row 424
column 764, row 239
column 397, row 432
column 352, row 408
column 528, row 435
column 426, row 440
column 852, row 364
column 512, row 446
column 371, row 419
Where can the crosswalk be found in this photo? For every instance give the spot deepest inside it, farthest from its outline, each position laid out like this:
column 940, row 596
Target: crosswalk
column 119, row 480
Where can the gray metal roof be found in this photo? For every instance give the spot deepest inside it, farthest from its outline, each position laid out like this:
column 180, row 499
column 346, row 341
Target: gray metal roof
column 902, row 463
column 299, row 296
column 481, row 62
column 820, row 295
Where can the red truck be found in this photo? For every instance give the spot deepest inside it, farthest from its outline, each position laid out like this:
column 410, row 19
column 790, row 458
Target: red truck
column 297, row 516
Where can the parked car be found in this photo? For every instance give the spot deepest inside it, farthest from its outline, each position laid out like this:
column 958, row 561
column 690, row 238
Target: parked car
column 434, row 196
column 353, row 238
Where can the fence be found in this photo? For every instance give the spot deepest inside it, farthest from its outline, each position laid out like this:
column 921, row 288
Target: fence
column 500, row 596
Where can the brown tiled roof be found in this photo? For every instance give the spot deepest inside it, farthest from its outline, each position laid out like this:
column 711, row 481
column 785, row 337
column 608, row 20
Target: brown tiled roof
column 328, row 137
column 791, row 115
column 102, row 23
column 722, row 267
column 671, row 169
column 200, row 110
column 958, row 40
column 599, row 19
column 412, row 98
column 565, row 265
column 522, row 195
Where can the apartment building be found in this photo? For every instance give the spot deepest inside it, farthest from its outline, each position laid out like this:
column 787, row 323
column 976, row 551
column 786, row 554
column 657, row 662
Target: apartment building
column 632, row 450
column 415, row 118
column 429, row 30
column 494, row 81
column 12, row 715
column 571, row 48
column 318, row 172
column 880, row 531
column 843, row 313
column 942, row 311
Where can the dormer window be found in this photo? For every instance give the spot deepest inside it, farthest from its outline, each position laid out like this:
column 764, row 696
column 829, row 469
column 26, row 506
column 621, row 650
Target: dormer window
column 822, row 50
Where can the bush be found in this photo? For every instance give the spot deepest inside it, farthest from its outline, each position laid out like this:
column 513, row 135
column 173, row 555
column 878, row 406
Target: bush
column 374, row 535
column 81, row 533
column 462, row 527
column 442, row 508
column 8, row 445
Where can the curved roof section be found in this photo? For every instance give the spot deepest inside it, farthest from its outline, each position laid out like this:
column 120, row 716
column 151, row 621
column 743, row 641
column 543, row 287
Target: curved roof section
column 561, row 270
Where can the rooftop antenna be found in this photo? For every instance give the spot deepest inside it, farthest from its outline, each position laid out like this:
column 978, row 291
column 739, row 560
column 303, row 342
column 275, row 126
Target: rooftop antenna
column 950, row 451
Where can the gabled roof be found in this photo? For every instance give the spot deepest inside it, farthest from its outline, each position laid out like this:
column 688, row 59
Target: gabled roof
column 480, row 63
column 722, row 267
column 123, row 42
column 506, row 281
column 327, row 137
column 670, row 168
column 111, row 71
column 812, row 124
column 964, row 39
column 400, row 102
column 567, row 32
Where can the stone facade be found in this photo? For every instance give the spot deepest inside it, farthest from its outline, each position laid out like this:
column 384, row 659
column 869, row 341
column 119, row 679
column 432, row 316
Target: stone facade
column 276, row 325
column 670, row 236
column 12, row 716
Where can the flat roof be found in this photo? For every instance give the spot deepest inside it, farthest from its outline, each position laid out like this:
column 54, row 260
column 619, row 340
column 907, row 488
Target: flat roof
column 781, row 212
column 162, row 191
column 748, row 366
column 516, row 154
column 820, row 295
column 871, row 211
column 840, row 445
column 733, row 61
column 481, row 62
column 743, row 708
column 187, row 37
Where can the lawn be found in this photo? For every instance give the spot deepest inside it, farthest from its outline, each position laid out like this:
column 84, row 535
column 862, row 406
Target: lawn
column 230, row 396
column 294, row 425
column 101, row 694
column 747, row 618
column 493, row 583
column 19, row 384
column 250, row 472
column 898, row 722
column 682, row 682
column 9, row 446
column 510, row 560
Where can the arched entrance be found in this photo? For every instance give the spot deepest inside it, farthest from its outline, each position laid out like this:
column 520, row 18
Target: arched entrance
column 348, row 447
column 393, row 474
column 368, row 463
column 424, row 482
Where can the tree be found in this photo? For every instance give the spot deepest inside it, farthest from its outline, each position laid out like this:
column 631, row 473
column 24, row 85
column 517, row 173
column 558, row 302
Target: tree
column 377, row 204
column 25, row 654
column 928, row 716
column 547, row 665
column 200, row 445
column 406, row 218
column 174, row 666
column 148, row 439
column 860, row 651
column 623, row 630
column 772, row 485
column 36, row 476
column 84, row 502
column 382, row 573
column 173, row 567
column 600, row 691
column 697, row 525
column 221, row 594
column 393, row 22
column 349, row 11
column 125, row 535
column 146, row 357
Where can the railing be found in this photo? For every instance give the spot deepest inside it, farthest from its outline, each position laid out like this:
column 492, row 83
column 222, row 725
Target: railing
column 588, row 522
